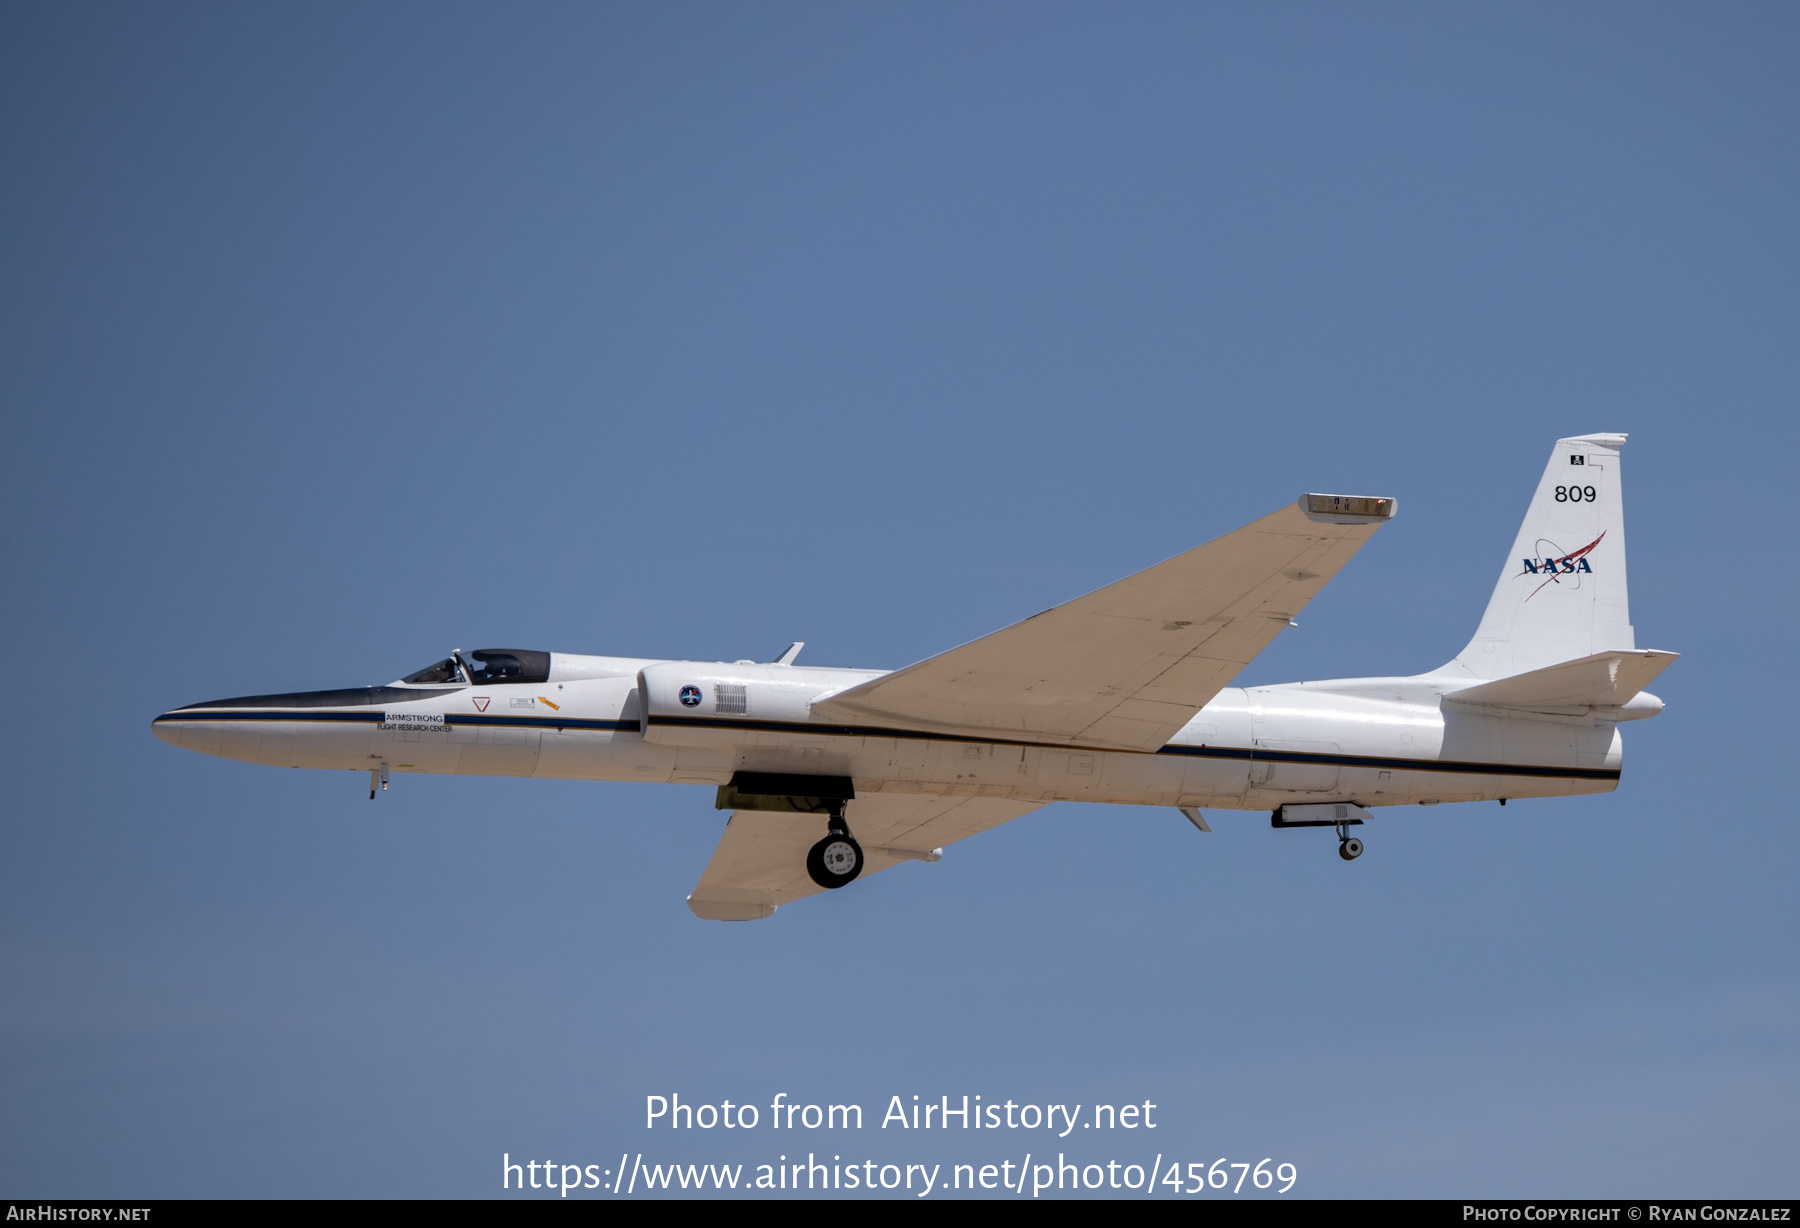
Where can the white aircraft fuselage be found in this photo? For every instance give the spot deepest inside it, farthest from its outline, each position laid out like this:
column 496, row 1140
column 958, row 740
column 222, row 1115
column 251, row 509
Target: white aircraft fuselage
column 1119, row 696
column 1375, row 741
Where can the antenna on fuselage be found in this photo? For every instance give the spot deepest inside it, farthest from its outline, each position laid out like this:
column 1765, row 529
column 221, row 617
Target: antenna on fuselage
column 790, row 652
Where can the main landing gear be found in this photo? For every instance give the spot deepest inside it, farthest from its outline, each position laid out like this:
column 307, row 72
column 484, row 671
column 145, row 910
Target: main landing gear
column 1341, row 815
column 836, row 860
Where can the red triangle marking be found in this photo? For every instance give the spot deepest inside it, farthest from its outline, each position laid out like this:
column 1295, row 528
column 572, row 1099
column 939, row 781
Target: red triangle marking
column 481, row 702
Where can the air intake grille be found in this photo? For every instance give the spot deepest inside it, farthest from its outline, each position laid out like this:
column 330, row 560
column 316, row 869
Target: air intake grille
column 730, row 699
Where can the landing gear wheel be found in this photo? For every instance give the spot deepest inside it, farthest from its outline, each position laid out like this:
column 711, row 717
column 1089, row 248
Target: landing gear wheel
column 835, row 861
column 1350, row 848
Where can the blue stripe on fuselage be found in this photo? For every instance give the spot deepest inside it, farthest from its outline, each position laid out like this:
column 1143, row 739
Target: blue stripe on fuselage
column 1255, row 754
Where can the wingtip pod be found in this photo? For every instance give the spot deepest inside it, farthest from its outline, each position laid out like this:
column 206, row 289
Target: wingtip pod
column 1348, row 509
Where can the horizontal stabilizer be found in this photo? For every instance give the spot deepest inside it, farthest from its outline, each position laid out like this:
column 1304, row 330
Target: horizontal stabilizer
column 1604, row 680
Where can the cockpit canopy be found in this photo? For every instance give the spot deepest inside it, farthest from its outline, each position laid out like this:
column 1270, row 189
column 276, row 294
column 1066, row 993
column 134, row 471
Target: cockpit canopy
column 445, row 671
column 483, row 667
column 507, row 665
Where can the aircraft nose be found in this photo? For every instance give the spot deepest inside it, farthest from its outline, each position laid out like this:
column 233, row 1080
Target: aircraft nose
column 178, row 728
column 165, row 728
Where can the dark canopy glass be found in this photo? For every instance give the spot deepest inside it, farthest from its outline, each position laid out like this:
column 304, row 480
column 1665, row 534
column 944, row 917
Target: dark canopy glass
column 443, row 671
column 495, row 665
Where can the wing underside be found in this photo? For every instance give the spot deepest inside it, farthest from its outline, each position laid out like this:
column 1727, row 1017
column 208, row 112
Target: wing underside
column 760, row 862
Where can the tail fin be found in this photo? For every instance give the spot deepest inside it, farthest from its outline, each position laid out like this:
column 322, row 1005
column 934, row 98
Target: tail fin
column 1562, row 592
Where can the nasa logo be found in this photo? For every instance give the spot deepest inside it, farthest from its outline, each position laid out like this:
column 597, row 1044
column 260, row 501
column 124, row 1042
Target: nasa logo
column 690, row 697
column 1554, row 566
column 1566, row 565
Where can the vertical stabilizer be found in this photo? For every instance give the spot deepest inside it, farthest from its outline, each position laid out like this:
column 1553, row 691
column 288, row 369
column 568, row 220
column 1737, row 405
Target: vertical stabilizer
column 1561, row 593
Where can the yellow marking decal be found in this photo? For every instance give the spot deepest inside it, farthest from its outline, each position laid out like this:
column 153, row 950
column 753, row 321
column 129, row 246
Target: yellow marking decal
column 542, row 700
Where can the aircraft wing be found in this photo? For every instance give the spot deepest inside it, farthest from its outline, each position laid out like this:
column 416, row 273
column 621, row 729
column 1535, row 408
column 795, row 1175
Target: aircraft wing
column 1129, row 664
column 760, row 862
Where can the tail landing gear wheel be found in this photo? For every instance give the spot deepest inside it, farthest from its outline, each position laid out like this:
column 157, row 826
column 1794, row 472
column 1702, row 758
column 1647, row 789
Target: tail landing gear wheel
column 1350, row 848
column 835, row 861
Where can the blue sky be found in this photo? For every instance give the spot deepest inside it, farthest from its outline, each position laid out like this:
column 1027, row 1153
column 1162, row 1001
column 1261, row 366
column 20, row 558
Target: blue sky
column 332, row 337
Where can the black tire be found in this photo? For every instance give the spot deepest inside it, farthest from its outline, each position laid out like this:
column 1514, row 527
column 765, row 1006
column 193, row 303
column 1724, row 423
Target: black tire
column 834, row 861
column 1350, row 848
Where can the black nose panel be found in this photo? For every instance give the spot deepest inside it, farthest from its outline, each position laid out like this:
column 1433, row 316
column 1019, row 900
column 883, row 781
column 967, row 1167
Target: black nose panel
column 353, row 697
